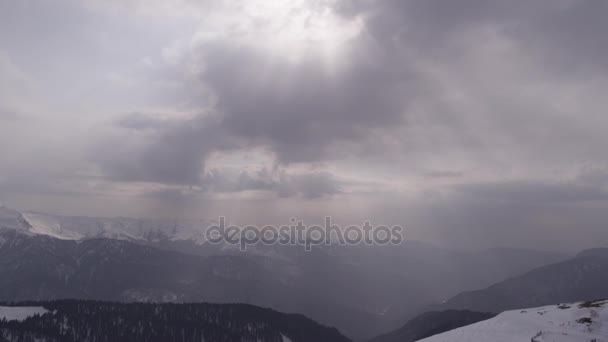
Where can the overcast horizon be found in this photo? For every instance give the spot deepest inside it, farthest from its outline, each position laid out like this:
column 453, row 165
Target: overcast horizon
column 470, row 123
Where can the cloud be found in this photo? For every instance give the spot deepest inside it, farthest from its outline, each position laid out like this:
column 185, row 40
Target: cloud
column 9, row 114
column 535, row 192
column 422, row 78
column 443, row 174
column 489, row 108
column 596, row 176
column 141, row 122
column 173, row 155
column 301, row 111
column 308, row 185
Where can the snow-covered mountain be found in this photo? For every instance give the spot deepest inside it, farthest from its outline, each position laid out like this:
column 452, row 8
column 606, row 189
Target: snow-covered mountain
column 579, row 322
column 362, row 290
column 80, row 228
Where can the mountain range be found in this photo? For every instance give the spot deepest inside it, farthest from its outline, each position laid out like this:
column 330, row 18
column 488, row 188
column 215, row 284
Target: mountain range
column 362, row 290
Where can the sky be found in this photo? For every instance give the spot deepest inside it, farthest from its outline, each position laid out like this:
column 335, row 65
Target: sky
column 472, row 123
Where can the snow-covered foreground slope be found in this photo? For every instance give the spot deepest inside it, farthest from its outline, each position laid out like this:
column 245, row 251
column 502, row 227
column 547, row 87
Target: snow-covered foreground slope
column 557, row 323
column 19, row 313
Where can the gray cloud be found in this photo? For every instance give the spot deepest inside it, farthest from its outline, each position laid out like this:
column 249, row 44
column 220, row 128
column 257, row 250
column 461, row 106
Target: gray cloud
column 511, row 93
column 307, row 185
column 304, row 114
column 443, row 174
column 569, row 37
column 174, row 155
column 530, row 192
column 301, row 112
column 8, row 114
column 140, row 121
column 595, row 176
column 225, row 180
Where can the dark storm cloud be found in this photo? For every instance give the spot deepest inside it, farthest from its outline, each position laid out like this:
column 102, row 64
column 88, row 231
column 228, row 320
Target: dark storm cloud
column 567, row 34
column 301, row 112
column 430, row 24
column 305, row 114
column 174, row 155
column 571, row 38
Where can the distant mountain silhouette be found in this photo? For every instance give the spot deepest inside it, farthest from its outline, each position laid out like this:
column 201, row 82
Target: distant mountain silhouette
column 584, row 277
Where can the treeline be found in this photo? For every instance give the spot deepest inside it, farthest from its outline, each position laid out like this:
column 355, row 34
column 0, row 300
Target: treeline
column 89, row 321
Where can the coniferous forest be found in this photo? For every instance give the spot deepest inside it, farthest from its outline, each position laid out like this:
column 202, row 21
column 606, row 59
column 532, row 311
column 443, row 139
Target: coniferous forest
column 90, row 321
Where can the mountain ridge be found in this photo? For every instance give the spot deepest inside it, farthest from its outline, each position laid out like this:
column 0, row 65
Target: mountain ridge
column 580, row 278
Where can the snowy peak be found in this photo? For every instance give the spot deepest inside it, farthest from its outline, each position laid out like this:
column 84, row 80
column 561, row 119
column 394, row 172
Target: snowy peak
column 41, row 224
column 583, row 321
column 80, row 228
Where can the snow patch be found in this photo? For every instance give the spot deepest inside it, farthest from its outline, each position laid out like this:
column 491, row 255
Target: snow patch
column 558, row 323
column 47, row 225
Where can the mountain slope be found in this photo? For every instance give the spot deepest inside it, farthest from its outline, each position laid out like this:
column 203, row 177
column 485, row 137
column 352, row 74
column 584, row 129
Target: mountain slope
column 45, row 268
column 557, row 323
column 432, row 323
column 581, row 278
column 82, row 321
